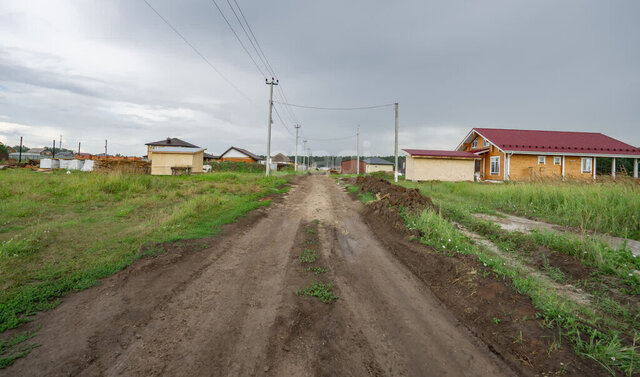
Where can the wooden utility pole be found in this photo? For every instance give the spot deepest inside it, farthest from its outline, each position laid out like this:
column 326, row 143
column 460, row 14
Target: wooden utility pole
column 78, row 147
column 358, row 151
column 395, row 179
column 295, row 168
column 271, row 84
column 53, row 154
column 20, row 154
column 304, row 150
column 105, row 148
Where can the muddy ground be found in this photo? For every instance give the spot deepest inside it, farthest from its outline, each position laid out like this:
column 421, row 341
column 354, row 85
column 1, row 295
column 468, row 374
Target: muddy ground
column 227, row 306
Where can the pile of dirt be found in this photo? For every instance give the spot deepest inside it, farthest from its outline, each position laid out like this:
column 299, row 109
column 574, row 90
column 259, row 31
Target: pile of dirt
column 394, row 195
column 123, row 166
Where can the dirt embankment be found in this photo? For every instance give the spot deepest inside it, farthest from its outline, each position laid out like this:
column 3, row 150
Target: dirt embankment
column 489, row 307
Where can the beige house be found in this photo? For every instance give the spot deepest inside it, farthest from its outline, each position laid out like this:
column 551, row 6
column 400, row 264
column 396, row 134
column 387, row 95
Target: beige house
column 435, row 165
column 376, row 164
column 173, row 156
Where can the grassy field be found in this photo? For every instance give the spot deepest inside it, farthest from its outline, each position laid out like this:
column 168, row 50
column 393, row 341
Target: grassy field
column 62, row 232
column 600, row 324
column 612, row 208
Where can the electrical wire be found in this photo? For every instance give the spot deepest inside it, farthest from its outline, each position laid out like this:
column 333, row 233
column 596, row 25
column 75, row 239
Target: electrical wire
column 337, row 108
column 238, row 38
column 199, row 53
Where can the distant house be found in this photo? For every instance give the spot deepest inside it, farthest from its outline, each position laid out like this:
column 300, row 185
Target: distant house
column 376, row 164
column 436, row 165
column 40, row 151
column 525, row 154
column 240, row 155
column 173, row 156
column 210, row 158
column 281, row 159
column 367, row 165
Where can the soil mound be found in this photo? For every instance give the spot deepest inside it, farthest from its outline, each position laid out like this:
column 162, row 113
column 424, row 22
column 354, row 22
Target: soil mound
column 394, row 195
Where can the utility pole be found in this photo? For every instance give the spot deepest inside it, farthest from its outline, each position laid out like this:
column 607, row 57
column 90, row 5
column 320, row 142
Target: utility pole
column 78, row 147
column 395, row 179
column 60, row 145
column 105, row 147
column 358, row 151
column 295, row 168
column 53, row 155
column 304, row 150
column 271, row 84
column 20, row 155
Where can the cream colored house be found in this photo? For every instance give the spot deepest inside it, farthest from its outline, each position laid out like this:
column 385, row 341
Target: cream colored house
column 177, row 160
column 434, row 165
column 376, row 164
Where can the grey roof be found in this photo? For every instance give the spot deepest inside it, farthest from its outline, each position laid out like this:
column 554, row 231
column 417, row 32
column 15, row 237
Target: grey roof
column 280, row 158
column 178, row 150
column 255, row 157
column 36, row 150
column 210, row 156
column 376, row 161
column 173, row 142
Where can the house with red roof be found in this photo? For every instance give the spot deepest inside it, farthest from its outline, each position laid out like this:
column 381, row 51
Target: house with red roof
column 507, row 154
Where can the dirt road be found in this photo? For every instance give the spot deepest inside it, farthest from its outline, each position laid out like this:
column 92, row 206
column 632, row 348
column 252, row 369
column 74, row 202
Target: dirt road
column 227, row 307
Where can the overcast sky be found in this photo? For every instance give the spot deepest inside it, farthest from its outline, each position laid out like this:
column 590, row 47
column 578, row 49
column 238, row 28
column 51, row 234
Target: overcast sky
column 96, row 70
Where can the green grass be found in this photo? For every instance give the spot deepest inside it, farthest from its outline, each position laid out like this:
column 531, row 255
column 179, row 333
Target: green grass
column 61, row 233
column 319, row 290
column 612, row 208
column 16, row 347
column 317, row 270
column 308, row 256
column 581, row 325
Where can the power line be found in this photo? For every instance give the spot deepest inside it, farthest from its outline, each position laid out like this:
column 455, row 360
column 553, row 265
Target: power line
column 262, row 55
column 198, row 52
column 282, row 121
column 337, row 108
column 334, row 138
column 238, row 38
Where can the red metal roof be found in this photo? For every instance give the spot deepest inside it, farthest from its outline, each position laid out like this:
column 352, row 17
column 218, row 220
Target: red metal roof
column 584, row 143
column 438, row 153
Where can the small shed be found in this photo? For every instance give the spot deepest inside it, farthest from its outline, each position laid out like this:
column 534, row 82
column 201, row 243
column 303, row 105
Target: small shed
column 351, row 166
column 437, row 165
column 176, row 160
column 376, row 164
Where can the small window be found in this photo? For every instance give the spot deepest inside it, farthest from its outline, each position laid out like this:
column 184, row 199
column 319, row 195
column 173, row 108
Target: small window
column 586, row 165
column 474, row 144
column 557, row 160
column 542, row 160
column 485, row 143
column 495, row 165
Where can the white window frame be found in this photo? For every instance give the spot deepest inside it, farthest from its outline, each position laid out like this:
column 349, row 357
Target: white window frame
column 542, row 160
column 590, row 163
column 474, row 143
column 491, row 160
column 485, row 143
column 557, row 160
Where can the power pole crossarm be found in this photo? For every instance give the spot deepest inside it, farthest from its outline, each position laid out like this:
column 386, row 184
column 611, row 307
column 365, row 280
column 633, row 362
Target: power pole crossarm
column 271, row 84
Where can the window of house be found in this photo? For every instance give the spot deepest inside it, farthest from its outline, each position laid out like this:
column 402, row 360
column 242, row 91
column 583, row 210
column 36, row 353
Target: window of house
column 495, row 165
column 557, row 160
column 474, row 144
column 586, row 165
column 542, row 160
column 485, row 143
